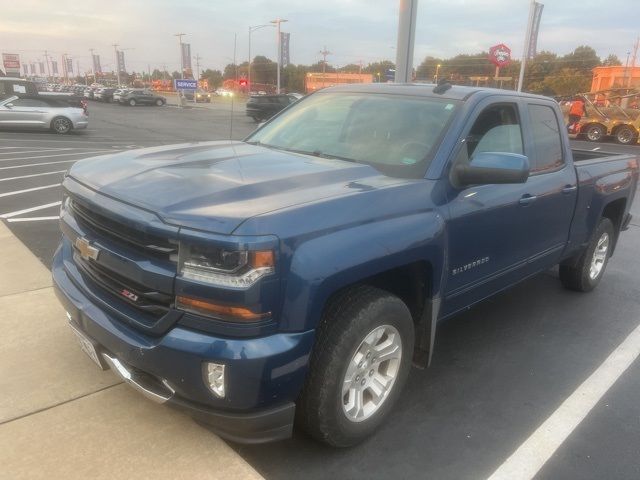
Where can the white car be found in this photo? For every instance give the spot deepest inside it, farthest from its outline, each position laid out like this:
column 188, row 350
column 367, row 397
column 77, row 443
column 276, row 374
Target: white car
column 41, row 113
column 119, row 93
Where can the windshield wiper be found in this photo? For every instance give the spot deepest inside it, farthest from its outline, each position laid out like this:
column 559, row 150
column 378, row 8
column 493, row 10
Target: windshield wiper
column 318, row 153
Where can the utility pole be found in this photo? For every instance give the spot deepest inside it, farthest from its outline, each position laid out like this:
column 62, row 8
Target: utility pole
column 115, row 49
column 93, row 64
column 277, row 22
column 149, row 71
column 180, row 35
column 324, row 52
column 46, row 59
column 197, row 58
column 359, row 67
column 633, row 60
column 406, row 40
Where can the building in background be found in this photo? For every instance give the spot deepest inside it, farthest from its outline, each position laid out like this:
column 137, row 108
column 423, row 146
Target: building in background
column 315, row 81
column 606, row 78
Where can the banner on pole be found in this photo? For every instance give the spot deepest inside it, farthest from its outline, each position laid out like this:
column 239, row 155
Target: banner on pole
column 284, row 49
column 96, row 64
column 121, row 65
column 186, row 57
column 54, row 67
column 535, row 27
column 69, row 65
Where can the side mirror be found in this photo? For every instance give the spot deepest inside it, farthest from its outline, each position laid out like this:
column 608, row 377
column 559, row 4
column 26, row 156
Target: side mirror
column 493, row 167
column 8, row 105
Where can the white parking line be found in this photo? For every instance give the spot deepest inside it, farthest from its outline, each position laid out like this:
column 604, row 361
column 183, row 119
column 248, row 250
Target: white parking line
column 49, row 156
column 30, row 176
column 37, row 151
column 531, row 456
column 27, row 190
column 33, row 219
column 32, row 209
column 38, row 164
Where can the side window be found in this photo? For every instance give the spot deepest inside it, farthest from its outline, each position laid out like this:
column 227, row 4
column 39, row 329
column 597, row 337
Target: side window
column 546, row 135
column 497, row 129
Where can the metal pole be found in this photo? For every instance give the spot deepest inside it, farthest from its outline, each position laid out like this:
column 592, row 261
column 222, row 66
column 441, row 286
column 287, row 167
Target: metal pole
column 278, row 59
column 249, row 67
column 115, row 49
column 180, row 35
column 406, row 40
column 527, row 44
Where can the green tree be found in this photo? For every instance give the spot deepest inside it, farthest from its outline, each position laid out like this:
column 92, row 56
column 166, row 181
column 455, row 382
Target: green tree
column 350, row 68
column 611, row 61
column 379, row 69
column 214, row 77
column 583, row 59
column 567, row 81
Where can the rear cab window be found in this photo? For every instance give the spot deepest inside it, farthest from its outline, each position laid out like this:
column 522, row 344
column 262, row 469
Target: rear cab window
column 547, row 153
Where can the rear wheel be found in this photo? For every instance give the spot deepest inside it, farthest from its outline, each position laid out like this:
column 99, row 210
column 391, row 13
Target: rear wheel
column 358, row 367
column 61, row 125
column 585, row 275
column 132, row 102
column 159, row 102
column 594, row 133
column 625, row 135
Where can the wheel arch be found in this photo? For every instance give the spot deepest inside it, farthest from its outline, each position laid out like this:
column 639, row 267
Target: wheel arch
column 614, row 211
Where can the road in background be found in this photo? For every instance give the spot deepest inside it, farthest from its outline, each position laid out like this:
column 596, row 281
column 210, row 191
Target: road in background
column 499, row 370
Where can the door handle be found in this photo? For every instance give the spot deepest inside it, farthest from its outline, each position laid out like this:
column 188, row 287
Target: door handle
column 527, row 199
column 569, row 188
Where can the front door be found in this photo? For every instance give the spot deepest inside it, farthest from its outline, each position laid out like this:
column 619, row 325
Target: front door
column 487, row 231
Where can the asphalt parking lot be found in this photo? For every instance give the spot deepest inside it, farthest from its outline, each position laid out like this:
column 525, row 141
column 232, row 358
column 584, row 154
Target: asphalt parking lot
column 500, row 371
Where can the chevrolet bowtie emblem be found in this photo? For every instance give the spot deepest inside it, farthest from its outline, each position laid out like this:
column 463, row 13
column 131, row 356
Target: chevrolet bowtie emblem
column 86, row 250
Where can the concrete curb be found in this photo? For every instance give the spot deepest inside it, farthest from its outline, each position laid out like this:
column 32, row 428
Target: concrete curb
column 60, row 417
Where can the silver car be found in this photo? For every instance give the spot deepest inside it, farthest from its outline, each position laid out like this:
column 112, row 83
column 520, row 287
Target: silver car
column 41, row 113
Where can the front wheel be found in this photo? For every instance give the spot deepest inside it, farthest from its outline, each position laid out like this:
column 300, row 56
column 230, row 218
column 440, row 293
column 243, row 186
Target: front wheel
column 61, row 125
column 159, row 102
column 585, row 275
column 132, row 102
column 594, row 133
column 358, row 367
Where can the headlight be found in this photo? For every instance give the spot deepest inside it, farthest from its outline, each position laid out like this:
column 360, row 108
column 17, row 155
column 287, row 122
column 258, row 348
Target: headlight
column 225, row 268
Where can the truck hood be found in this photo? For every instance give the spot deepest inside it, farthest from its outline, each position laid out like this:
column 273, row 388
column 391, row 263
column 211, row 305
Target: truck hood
column 215, row 186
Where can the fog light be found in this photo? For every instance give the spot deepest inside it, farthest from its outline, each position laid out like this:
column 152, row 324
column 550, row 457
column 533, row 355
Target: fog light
column 214, row 378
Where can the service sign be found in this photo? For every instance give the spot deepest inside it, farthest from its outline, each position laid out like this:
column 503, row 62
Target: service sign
column 500, row 55
column 11, row 63
column 185, row 84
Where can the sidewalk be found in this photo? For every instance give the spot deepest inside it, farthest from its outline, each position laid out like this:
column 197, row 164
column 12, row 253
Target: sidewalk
column 61, row 417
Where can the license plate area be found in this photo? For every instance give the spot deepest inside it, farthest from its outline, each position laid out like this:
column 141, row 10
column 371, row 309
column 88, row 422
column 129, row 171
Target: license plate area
column 89, row 347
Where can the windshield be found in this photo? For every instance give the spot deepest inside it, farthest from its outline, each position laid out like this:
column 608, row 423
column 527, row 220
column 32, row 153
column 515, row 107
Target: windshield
column 396, row 134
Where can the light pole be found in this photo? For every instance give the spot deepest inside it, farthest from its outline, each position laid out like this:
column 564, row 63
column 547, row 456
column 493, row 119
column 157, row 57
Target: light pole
column 626, row 71
column 277, row 22
column 180, row 35
column 253, row 29
column 437, row 71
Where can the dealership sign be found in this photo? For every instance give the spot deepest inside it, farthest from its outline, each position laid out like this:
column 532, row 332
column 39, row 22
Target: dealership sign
column 185, row 84
column 500, row 55
column 11, row 63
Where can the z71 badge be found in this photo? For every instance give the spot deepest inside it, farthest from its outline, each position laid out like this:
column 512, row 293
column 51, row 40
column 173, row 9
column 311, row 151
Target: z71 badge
column 470, row 265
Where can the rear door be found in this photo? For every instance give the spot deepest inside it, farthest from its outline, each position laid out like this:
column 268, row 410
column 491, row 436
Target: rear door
column 552, row 185
column 25, row 112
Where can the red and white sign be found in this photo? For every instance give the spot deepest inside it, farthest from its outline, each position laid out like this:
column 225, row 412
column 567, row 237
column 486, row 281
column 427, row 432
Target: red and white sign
column 11, row 63
column 500, row 55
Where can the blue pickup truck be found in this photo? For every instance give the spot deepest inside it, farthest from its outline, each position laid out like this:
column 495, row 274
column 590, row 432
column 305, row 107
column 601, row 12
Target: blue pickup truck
column 295, row 277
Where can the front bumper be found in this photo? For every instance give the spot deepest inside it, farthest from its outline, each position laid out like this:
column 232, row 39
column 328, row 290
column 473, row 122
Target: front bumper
column 264, row 375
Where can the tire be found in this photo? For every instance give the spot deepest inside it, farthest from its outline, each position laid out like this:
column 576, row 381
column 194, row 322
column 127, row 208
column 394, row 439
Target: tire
column 326, row 411
column 594, row 132
column 159, row 102
column 132, row 102
column 589, row 270
column 625, row 135
column 61, row 125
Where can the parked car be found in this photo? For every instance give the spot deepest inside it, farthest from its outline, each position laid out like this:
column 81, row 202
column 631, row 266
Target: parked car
column 299, row 273
column 200, row 96
column 141, row 97
column 221, row 92
column 41, row 113
column 263, row 107
column 118, row 93
column 105, row 95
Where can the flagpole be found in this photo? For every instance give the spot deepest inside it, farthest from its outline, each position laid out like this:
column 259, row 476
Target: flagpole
column 527, row 44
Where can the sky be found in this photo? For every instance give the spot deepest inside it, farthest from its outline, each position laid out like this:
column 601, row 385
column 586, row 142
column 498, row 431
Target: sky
column 352, row 30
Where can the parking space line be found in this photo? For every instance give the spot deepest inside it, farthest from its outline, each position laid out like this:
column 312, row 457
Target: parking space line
column 38, row 164
column 49, row 156
column 33, row 219
column 27, row 190
column 531, row 456
column 37, row 151
column 32, row 209
column 31, row 176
